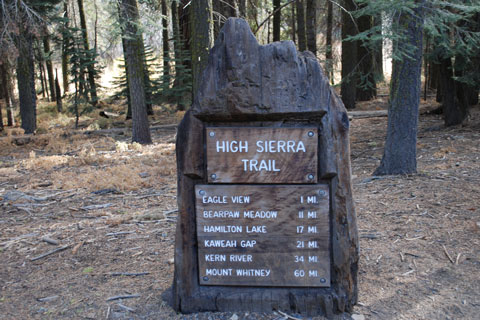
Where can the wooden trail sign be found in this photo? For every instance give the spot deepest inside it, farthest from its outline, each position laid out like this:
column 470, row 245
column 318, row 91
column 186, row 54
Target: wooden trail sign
column 252, row 235
column 266, row 217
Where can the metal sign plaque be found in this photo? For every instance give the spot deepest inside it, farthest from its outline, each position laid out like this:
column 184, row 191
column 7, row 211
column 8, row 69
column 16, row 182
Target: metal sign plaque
column 263, row 235
column 262, row 155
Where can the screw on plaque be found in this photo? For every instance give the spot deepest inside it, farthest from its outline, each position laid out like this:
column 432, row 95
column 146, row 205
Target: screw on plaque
column 323, row 280
column 310, row 176
column 205, row 279
column 201, row 192
column 213, row 176
column 212, row 134
column 322, row 193
column 311, row 134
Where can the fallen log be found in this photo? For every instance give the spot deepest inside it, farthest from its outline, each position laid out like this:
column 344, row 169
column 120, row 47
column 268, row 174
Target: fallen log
column 367, row 114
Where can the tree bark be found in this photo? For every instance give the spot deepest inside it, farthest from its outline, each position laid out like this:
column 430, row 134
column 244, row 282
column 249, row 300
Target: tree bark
column 43, row 82
column 201, row 38
column 293, row 26
column 166, row 52
column 2, row 90
column 26, row 81
column 378, row 50
column 242, row 8
column 8, row 92
column 48, row 62
column 311, row 26
column 178, row 51
column 349, row 57
column 329, row 42
column 59, row 94
column 454, row 99
column 134, row 49
column 400, row 152
column 146, row 78
column 277, row 17
column 91, row 65
column 366, row 88
column 301, row 35
column 129, row 101
column 65, row 44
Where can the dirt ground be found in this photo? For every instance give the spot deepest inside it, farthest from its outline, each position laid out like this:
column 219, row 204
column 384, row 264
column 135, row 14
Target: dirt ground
column 108, row 208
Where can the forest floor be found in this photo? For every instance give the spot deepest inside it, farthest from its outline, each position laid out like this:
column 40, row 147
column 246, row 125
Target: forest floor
column 107, row 208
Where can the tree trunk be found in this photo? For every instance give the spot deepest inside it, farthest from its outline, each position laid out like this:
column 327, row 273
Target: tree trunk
column 472, row 95
column 65, row 44
column 2, row 90
column 146, row 79
column 166, row 52
column 366, row 88
column 48, row 62
column 178, row 51
column 400, row 153
column 91, row 65
column 349, row 57
column 185, row 34
column 378, row 50
column 311, row 26
column 129, row 101
column 242, row 8
column 59, row 94
column 43, row 82
column 201, row 38
column 454, row 99
column 4, row 79
column 26, row 81
column 329, row 42
column 8, row 92
column 301, row 35
column 133, row 44
column 277, row 17
column 292, row 22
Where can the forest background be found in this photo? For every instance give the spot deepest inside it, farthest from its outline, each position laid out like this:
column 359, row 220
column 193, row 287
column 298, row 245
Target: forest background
column 86, row 86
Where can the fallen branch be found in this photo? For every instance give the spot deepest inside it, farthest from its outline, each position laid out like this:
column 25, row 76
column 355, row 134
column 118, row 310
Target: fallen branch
column 126, row 296
column 120, row 130
column 50, row 241
column 367, row 114
column 126, row 308
column 77, row 246
column 129, row 274
column 47, row 299
column 49, row 253
column 447, row 254
column 113, row 234
column 97, row 206
column 287, row 316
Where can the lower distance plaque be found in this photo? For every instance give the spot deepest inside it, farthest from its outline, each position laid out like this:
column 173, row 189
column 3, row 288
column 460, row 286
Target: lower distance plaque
column 263, row 235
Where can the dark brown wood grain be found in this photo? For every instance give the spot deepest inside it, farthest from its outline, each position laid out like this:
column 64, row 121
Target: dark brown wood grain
column 262, row 155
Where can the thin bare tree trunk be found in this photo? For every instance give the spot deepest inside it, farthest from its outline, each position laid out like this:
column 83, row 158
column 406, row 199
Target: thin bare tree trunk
column 276, row 20
column 302, row 38
column 65, row 50
column 311, row 26
column 48, row 62
column 91, row 65
column 329, row 42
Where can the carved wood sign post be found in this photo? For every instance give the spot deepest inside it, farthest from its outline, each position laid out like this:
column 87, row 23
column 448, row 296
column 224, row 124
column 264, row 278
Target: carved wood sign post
column 266, row 217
